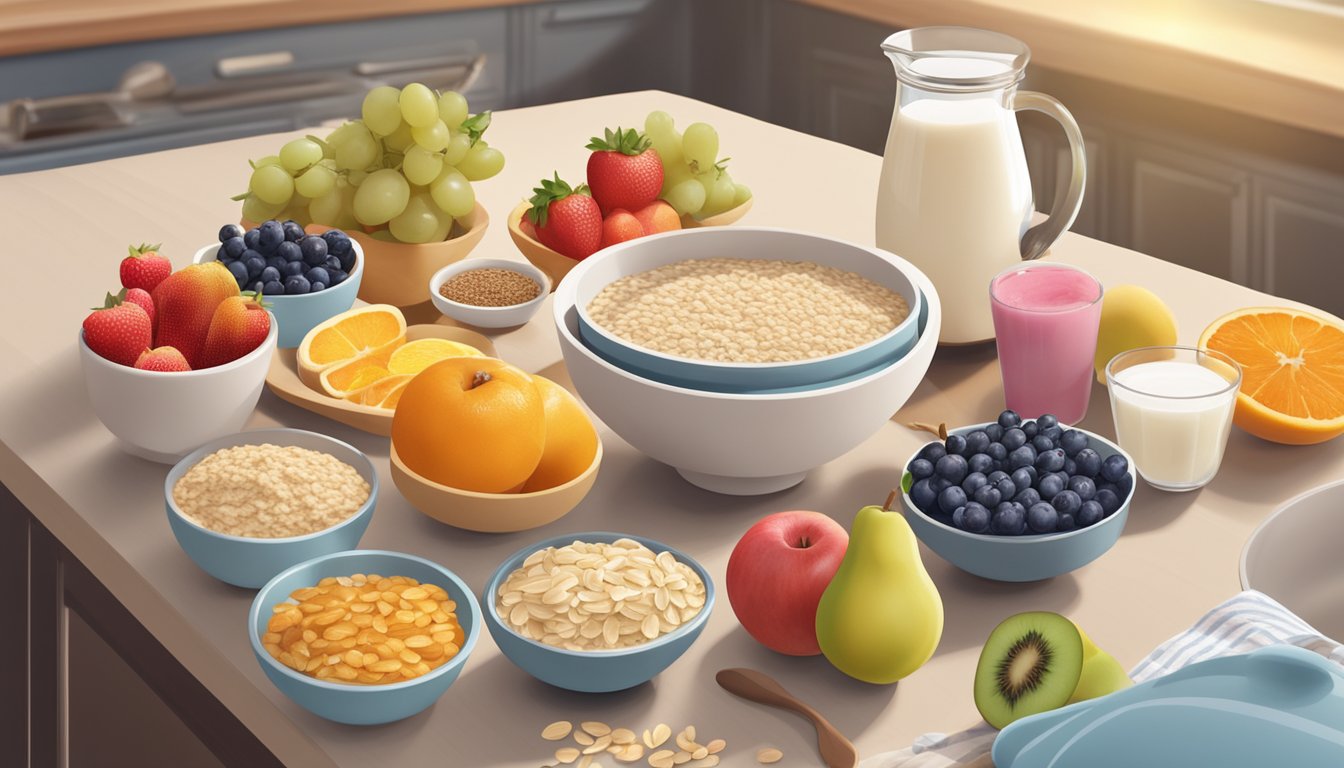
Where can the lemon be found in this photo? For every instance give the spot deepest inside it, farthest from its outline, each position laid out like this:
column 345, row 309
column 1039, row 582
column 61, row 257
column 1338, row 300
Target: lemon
column 1131, row 316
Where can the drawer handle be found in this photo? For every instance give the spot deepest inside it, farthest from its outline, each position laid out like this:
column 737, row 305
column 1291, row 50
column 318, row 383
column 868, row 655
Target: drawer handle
column 242, row 66
column 470, row 69
column 579, row 13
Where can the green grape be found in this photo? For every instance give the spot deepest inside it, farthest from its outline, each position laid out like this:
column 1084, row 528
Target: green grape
column 272, row 184
column 267, row 160
column 382, row 110
column 481, row 162
column 458, row 147
column 452, row 108
column 433, row 137
column 419, row 107
column 661, row 130
column 357, row 150
column 399, row 139
column 452, row 193
column 741, row 194
column 442, row 231
column 659, row 121
column 382, row 196
column 299, row 154
column 718, row 194
column 419, row 222
column 315, row 182
column 298, row 210
column 355, row 178
column 675, row 175
column 686, row 197
column 700, row 143
column 421, row 166
column 326, row 208
column 257, row 210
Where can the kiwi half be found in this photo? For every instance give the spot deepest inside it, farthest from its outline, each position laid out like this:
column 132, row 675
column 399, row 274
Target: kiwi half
column 1030, row 664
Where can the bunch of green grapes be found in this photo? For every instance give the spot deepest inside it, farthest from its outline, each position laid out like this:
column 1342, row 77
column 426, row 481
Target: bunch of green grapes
column 403, row 172
column 695, row 180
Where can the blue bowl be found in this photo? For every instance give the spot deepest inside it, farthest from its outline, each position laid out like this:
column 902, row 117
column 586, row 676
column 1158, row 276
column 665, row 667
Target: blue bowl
column 1029, row 557
column 297, row 315
column 593, row 671
column 646, row 253
column 363, row 704
column 250, row 562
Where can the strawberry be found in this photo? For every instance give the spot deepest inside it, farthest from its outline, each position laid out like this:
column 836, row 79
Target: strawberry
column 162, row 359
column 118, row 331
column 657, row 217
column 567, row 220
column 141, row 298
column 240, row 324
column 619, row 226
column 624, row 171
column 185, row 303
column 144, row 268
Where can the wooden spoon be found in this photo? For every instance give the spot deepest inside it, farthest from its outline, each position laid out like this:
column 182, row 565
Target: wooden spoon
column 759, row 687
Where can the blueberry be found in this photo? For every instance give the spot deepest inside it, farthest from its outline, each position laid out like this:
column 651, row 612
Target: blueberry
column 337, row 276
column 1054, row 433
column 1014, row 438
column 318, row 275
column 314, row 250
column 988, row 495
column 239, row 272
column 1007, row 489
column 980, row 462
column 252, row 238
column 338, row 243
column 332, row 263
column 959, row 517
column 977, row 441
column 997, row 452
column 920, row 468
column 1028, row 497
column 292, row 269
column 1042, row 443
column 1073, row 441
column 1066, row 523
column 1009, row 419
column 273, row 288
column 973, row 482
column 272, row 235
column 269, row 275
column 222, row 257
column 1067, row 502
column 1047, row 421
column 1088, row 461
column 1007, row 520
column 233, row 247
column 1125, row 485
column 1083, row 486
column 258, row 288
column 975, row 518
column 1024, row 456
column 1070, row 466
column 939, row 483
column 1021, row 478
column 1051, row 460
column 1035, row 476
column 1042, row 518
column 289, row 251
column 293, row 232
column 230, row 231
column 1114, row 468
column 932, row 452
column 296, row 285
column 952, row 467
column 254, row 266
column 997, row 475
column 956, row 444
column 347, row 260
column 1030, row 429
column 1108, row 500
column 250, row 253
column 276, row 261
column 1049, row 486
column 923, row 495
column 995, row 432
column 951, row 498
column 315, row 287
column 1089, row 513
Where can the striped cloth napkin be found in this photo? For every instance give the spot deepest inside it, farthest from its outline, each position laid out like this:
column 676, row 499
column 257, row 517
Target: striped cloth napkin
column 1248, row 621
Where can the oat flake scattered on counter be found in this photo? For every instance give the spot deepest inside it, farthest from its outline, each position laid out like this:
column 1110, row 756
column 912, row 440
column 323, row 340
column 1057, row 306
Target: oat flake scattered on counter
column 270, row 491
column 747, row 310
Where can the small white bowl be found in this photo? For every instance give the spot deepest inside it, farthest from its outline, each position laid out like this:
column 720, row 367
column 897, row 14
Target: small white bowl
column 489, row 317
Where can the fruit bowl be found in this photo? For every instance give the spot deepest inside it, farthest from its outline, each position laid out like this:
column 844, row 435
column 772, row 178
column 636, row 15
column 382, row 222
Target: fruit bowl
column 250, row 562
column 489, row 317
column 363, row 704
column 163, row 416
column 1029, row 557
column 598, row 671
column 743, row 444
column 296, row 315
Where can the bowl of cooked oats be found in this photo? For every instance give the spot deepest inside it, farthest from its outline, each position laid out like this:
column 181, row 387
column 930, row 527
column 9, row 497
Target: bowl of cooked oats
column 247, row 506
column 761, row 314
column 742, row 443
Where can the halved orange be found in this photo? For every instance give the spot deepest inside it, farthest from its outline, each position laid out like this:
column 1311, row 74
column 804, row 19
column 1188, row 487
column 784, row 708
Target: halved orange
column 415, row 356
column 1292, row 387
column 383, row 393
column 348, row 343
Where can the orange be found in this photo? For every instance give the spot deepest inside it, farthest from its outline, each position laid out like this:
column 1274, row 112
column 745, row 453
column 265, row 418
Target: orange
column 571, row 441
column 473, row 423
column 345, row 344
column 383, row 392
column 415, row 356
column 1292, row 386
column 657, row 217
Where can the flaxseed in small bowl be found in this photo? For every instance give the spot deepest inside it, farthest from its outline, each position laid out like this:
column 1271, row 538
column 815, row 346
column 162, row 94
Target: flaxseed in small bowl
column 489, row 293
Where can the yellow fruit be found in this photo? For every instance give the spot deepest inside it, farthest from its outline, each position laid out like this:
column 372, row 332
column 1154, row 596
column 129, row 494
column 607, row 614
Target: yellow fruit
column 571, row 441
column 415, row 356
column 344, row 345
column 367, row 376
column 383, row 393
column 1292, row 368
column 1131, row 317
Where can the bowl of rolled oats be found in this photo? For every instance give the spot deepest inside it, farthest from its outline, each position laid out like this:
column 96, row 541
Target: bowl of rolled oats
column 597, row 612
column 247, row 506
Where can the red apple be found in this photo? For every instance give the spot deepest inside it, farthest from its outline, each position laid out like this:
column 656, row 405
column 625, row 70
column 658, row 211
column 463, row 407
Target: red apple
column 777, row 573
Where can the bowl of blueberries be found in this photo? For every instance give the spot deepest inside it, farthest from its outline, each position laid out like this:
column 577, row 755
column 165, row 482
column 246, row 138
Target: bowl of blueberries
column 1018, row 500
column 304, row 278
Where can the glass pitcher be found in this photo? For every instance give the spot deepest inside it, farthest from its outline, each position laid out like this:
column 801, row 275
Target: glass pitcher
column 954, row 197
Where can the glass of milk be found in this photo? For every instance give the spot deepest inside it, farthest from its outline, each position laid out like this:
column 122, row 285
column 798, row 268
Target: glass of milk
column 1173, row 409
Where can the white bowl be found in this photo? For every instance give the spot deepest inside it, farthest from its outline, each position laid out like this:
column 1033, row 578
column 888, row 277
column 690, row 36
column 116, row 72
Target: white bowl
column 739, row 443
column 1294, row 558
column 489, row 317
column 164, row 416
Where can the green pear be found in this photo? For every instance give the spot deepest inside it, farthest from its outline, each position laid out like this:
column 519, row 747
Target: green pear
column 1101, row 674
column 881, row 617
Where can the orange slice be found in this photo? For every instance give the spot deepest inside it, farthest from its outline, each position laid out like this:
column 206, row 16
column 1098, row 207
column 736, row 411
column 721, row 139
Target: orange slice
column 415, row 356
column 350, row 342
column 379, row 392
column 1292, row 387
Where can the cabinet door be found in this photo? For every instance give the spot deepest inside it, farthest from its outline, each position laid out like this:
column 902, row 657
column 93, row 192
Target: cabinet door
column 1301, row 242
column 1048, row 161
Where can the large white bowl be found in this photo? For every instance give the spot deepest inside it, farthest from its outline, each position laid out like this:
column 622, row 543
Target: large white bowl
column 1294, row 557
column 164, row 416
column 742, row 444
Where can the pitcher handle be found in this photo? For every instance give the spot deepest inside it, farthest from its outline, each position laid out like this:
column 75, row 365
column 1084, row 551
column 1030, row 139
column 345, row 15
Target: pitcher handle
column 1040, row 237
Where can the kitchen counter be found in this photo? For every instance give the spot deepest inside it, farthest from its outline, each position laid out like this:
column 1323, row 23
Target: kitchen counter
column 1177, row 558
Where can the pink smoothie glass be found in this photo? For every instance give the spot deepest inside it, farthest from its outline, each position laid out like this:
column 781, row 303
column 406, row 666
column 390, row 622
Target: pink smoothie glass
column 1045, row 319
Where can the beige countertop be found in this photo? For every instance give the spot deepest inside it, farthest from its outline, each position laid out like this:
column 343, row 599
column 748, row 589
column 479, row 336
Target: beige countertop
column 1177, row 558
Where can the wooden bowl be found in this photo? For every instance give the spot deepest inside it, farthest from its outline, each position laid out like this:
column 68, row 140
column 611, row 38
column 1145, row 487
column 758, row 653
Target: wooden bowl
column 556, row 265
column 283, row 379
column 491, row 512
